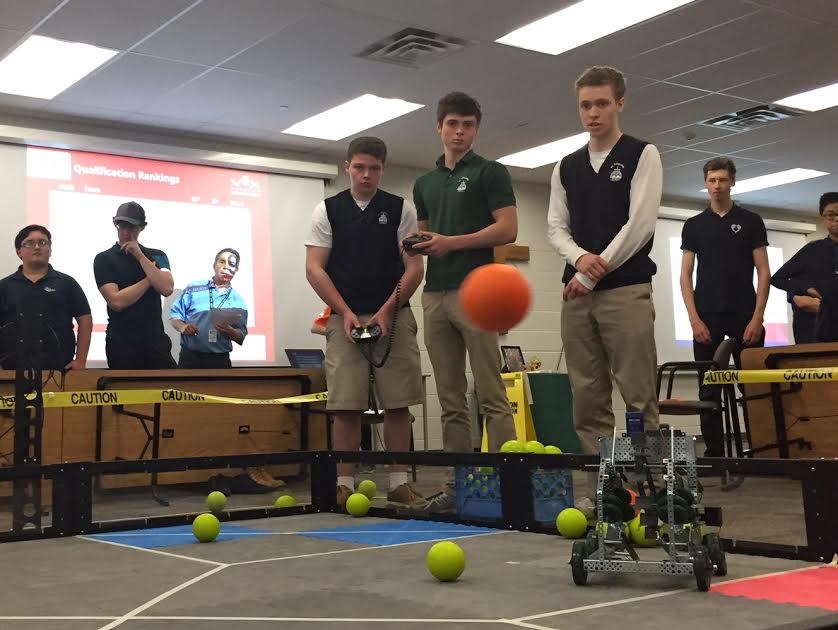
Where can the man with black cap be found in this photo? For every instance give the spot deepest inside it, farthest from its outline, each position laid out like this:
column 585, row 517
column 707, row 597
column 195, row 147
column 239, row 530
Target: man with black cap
column 132, row 278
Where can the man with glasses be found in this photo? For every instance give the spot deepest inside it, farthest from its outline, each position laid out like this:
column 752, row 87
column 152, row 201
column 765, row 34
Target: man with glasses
column 37, row 284
column 729, row 242
column 810, row 278
column 131, row 278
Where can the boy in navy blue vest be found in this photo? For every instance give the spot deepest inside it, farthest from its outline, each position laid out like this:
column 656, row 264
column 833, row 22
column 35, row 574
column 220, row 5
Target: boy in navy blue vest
column 604, row 201
column 355, row 263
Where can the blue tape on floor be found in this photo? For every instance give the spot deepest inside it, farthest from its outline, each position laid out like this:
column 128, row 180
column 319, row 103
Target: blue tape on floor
column 396, row 532
column 176, row 535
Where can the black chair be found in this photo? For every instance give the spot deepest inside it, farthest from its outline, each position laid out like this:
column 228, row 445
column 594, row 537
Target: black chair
column 727, row 405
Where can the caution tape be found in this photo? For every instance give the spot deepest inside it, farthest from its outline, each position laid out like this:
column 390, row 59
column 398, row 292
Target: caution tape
column 792, row 375
column 100, row 398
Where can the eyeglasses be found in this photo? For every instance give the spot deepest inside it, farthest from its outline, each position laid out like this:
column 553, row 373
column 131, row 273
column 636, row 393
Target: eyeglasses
column 39, row 243
column 829, row 216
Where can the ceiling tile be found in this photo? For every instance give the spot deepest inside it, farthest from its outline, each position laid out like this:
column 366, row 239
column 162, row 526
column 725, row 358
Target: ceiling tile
column 216, row 29
column 23, row 15
column 651, row 98
column 8, row 40
column 689, row 135
column 150, row 79
column 117, row 24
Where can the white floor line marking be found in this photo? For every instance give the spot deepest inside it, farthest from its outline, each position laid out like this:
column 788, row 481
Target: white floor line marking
column 524, row 624
column 355, row 549
column 301, row 533
column 154, row 551
column 641, row 598
column 152, row 602
column 46, row 618
column 317, row 619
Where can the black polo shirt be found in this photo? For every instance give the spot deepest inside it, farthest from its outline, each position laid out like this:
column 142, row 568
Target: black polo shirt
column 65, row 300
column 725, row 248
column 143, row 319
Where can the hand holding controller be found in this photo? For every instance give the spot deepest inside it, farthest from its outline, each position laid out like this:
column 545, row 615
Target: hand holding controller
column 365, row 333
column 412, row 240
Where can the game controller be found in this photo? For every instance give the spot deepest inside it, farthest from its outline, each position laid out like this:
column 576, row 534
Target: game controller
column 365, row 333
column 413, row 239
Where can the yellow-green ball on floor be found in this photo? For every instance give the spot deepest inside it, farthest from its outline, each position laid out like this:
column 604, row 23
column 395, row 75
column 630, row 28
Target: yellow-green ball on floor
column 637, row 533
column 206, row 527
column 534, row 446
column 367, row 487
column 552, row 450
column 446, row 561
column 216, row 501
column 512, row 446
column 571, row 523
column 358, row 504
column 285, row 501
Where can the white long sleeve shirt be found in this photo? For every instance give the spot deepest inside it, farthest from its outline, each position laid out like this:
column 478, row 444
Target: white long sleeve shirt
column 645, row 197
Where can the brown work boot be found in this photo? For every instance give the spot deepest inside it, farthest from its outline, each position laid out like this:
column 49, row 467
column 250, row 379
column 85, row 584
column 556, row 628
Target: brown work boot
column 264, row 478
column 343, row 493
column 406, row 495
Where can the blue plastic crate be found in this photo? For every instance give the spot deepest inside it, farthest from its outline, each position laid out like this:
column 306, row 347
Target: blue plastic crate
column 478, row 493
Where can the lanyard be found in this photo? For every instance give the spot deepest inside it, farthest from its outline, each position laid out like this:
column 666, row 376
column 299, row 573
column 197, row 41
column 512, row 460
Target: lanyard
column 224, row 298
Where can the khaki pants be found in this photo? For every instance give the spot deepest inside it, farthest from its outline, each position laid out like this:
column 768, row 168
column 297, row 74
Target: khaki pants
column 448, row 336
column 605, row 333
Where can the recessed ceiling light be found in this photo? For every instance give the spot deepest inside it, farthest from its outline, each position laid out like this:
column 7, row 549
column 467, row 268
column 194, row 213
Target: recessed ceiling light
column 585, row 22
column 813, row 100
column 43, row 67
column 356, row 115
column 773, row 179
column 545, row 153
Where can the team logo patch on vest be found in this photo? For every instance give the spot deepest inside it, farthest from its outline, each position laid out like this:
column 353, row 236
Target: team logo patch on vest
column 382, row 218
column 616, row 172
column 461, row 187
column 735, row 228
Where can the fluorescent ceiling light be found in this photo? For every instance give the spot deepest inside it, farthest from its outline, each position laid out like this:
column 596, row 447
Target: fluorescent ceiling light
column 773, row 179
column 358, row 114
column 585, row 22
column 545, row 153
column 813, row 100
column 42, row 67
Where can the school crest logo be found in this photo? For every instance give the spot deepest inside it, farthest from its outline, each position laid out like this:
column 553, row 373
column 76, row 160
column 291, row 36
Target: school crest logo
column 616, row 172
column 735, row 228
column 382, row 218
column 461, row 187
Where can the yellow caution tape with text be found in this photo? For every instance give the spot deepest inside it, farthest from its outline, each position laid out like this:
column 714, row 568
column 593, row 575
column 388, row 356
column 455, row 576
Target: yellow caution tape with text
column 99, row 398
column 793, row 375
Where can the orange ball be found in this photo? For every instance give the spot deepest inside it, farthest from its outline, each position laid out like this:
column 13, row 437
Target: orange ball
column 495, row 297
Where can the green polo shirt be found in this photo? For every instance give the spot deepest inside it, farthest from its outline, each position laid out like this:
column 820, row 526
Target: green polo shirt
column 460, row 201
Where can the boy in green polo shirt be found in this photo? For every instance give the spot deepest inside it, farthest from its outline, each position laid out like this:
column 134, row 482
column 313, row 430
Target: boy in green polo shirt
column 467, row 207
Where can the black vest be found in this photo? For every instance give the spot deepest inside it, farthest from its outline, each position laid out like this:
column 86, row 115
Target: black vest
column 599, row 207
column 365, row 263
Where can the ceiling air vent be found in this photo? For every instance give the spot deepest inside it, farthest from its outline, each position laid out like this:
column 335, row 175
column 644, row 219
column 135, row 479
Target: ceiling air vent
column 753, row 117
column 413, row 48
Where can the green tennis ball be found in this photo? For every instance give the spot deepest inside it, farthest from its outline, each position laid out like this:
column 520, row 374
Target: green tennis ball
column 216, row 501
column 285, row 501
column 206, row 527
column 512, row 446
column 485, row 470
column 446, row 561
column 637, row 533
column 368, row 488
column 534, row 446
column 358, row 504
column 470, row 477
column 552, row 450
column 571, row 523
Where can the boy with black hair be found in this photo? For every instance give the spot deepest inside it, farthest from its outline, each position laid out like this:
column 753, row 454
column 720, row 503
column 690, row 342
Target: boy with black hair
column 355, row 263
column 810, row 278
column 466, row 206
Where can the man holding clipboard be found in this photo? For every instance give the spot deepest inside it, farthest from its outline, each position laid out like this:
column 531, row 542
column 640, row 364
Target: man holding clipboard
column 210, row 316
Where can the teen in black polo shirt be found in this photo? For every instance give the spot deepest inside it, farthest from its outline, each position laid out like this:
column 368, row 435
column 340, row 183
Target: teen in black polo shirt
column 132, row 278
column 37, row 283
column 729, row 243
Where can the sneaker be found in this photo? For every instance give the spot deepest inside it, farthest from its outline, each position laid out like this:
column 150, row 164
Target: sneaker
column 442, row 503
column 587, row 507
column 343, row 493
column 405, row 495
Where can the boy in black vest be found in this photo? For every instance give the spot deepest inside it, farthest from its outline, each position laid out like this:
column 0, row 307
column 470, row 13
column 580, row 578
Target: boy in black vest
column 355, row 263
column 604, row 201
column 729, row 242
